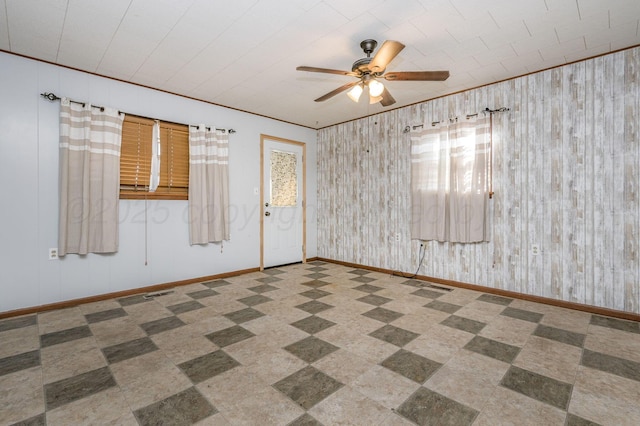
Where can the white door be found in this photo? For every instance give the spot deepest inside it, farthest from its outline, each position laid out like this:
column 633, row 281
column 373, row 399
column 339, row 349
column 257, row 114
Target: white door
column 283, row 215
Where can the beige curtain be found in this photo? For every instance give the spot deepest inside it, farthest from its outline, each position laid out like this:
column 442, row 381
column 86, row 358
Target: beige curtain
column 208, row 185
column 90, row 141
column 450, row 181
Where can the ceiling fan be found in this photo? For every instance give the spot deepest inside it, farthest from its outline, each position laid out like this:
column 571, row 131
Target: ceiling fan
column 368, row 70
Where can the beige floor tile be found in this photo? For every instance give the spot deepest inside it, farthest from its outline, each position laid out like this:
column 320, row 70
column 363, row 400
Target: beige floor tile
column 459, row 296
column 19, row 340
column 480, row 311
column 217, row 419
column 508, row 330
column 549, row 358
column 349, row 407
column 236, row 384
column 372, row 349
column 118, row 330
column 274, row 365
column 605, row 398
column 108, row 407
column 209, row 325
column 613, row 342
column 387, row 388
column 21, row 395
column 147, row 311
column 70, row 359
column 566, row 319
column 60, row 319
column 468, row 378
column 420, row 321
column 506, row 407
column 183, row 344
column 439, row 343
column 103, row 305
column 344, row 366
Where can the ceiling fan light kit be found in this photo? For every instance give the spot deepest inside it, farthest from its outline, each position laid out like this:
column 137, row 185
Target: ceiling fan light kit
column 368, row 70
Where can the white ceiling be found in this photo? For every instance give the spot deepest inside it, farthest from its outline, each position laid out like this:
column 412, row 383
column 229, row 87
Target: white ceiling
column 243, row 53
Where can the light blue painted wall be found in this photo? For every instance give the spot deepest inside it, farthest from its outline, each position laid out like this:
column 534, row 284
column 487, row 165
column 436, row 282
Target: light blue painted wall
column 29, row 191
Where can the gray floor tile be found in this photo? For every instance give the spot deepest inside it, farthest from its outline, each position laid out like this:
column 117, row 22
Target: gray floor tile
column 315, row 293
column 128, row 350
column 573, row 420
column 382, row 314
column 201, row 294
column 68, row 390
column 181, row 308
column 374, row 300
column 429, row 294
column 208, row 366
column 559, row 335
column 264, row 288
column 313, row 324
column 19, row 362
column 316, row 275
column 315, row 283
column 491, row 348
column 105, row 315
column 394, row 335
column 522, row 314
column 269, row 280
column 443, row 306
column 160, row 325
column 492, row 298
column 64, row 336
column 464, row 324
column 618, row 324
column 185, row 408
column 311, row 349
column 20, row 322
column 314, row 306
column 244, row 315
column 132, row 300
column 537, row 386
column 305, row 420
column 308, row 386
column 216, row 283
column 426, row 407
column 229, row 336
column 317, row 269
column 363, row 279
column 414, row 283
column 367, row 288
column 273, row 271
column 254, row 300
column 412, row 366
column 359, row 272
column 611, row 364
column 39, row 420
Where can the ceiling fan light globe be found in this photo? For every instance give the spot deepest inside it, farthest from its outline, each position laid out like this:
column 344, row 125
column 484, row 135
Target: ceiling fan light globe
column 374, row 99
column 375, row 88
column 355, row 92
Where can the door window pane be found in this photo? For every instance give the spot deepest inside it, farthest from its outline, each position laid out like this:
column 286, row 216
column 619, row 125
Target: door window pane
column 284, row 181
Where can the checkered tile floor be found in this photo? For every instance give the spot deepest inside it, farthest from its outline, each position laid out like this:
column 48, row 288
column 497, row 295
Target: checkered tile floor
column 318, row 344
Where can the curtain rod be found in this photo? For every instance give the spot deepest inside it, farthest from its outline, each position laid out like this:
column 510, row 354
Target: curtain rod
column 52, row 97
column 433, row 123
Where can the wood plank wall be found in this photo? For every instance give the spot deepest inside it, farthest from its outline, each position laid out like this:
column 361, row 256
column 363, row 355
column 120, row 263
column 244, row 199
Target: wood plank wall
column 566, row 177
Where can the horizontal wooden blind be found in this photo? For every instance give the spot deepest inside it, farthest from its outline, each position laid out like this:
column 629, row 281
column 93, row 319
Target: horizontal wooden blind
column 135, row 159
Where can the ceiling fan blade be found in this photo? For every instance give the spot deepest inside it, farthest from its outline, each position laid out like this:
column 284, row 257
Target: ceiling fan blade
column 326, row 71
column 387, row 99
column 417, row 75
column 336, row 91
column 385, row 54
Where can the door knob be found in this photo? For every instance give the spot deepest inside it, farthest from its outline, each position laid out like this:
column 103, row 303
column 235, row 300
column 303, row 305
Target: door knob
column 267, row 213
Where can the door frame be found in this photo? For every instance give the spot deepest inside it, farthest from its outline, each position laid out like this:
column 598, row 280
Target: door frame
column 263, row 138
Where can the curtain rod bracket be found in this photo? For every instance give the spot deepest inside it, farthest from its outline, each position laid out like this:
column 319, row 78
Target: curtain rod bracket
column 51, row 96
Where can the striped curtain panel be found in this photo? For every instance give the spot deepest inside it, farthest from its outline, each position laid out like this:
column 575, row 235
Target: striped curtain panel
column 208, row 185
column 450, row 165
column 90, row 140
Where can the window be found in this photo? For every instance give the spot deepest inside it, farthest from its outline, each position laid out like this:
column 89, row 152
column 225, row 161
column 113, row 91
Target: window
column 135, row 160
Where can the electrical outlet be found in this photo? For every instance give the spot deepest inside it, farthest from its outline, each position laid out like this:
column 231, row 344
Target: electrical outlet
column 398, row 236
column 53, row 254
column 535, row 249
